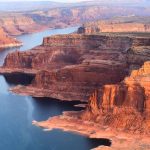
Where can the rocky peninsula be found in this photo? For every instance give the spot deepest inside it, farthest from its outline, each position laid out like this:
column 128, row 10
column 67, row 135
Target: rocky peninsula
column 74, row 65
column 7, row 41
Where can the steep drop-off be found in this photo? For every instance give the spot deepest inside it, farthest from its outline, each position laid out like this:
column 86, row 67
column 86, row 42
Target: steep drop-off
column 120, row 112
column 74, row 65
column 125, row 105
column 17, row 23
column 114, row 26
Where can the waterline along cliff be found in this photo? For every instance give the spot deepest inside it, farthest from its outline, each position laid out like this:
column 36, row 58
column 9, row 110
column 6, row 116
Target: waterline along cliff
column 109, row 71
column 74, row 65
column 120, row 112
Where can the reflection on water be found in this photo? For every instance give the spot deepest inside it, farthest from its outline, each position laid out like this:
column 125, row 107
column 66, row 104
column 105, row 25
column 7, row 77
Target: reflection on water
column 17, row 131
column 17, row 113
column 32, row 40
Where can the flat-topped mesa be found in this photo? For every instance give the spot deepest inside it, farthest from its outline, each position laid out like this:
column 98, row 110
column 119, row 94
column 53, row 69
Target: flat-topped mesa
column 113, row 26
column 61, row 50
column 126, row 105
column 75, row 65
column 6, row 41
column 89, row 42
column 121, row 42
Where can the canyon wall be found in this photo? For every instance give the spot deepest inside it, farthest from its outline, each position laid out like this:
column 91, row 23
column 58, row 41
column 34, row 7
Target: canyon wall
column 125, row 105
column 65, row 49
column 114, row 26
column 74, row 65
column 16, row 23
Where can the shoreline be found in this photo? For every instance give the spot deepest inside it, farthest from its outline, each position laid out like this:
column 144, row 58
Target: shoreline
column 19, row 43
column 43, row 29
column 11, row 45
column 38, row 92
column 120, row 140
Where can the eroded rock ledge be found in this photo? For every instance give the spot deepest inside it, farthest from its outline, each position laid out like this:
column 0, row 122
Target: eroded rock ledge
column 122, row 114
column 114, row 26
column 70, row 67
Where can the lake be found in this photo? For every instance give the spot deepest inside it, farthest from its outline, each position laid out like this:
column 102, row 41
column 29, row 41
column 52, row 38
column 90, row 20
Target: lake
column 17, row 112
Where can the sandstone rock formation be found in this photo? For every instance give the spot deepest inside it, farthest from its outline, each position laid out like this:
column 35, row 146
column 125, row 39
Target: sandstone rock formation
column 75, row 65
column 15, row 23
column 114, row 26
column 125, row 105
column 119, row 112
column 6, row 41
column 71, row 67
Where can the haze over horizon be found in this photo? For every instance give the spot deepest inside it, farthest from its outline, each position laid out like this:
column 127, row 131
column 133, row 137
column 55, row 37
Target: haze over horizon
column 75, row 1
column 63, row 1
column 28, row 5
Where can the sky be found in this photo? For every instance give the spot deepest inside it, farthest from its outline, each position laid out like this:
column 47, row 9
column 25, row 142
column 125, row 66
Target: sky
column 71, row 1
column 66, row 1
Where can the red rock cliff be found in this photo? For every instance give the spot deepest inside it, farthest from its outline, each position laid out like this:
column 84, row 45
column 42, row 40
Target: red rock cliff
column 74, row 65
column 126, row 105
column 108, row 26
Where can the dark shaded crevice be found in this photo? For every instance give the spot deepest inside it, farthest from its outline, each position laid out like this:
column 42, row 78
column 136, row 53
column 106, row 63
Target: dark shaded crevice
column 18, row 78
column 100, row 142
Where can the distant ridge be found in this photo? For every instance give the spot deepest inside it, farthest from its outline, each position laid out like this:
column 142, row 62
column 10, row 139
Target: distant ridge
column 46, row 5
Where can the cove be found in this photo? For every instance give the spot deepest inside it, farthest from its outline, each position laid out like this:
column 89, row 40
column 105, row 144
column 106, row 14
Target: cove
column 17, row 112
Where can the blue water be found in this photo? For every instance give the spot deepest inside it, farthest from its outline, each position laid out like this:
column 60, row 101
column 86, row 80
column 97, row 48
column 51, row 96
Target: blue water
column 17, row 113
column 35, row 39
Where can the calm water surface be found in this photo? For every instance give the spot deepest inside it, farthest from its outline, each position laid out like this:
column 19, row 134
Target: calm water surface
column 32, row 40
column 17, row 112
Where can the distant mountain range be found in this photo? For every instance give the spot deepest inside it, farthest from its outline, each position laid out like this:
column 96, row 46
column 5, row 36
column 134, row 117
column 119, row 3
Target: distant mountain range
column 45, row 5
column 28, row 5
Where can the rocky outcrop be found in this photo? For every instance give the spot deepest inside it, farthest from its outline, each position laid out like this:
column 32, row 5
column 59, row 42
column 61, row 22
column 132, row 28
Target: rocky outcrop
column 75, row 65
column 125, row 105
column 6, row 41
column 62, row 50
column 119, row 112
column 113, row 26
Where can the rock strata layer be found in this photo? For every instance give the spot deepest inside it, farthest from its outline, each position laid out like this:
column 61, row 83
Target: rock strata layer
column 125, row 105
column 114, row 26
column 120, row 112
column 74, row 65
column 17, row 23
